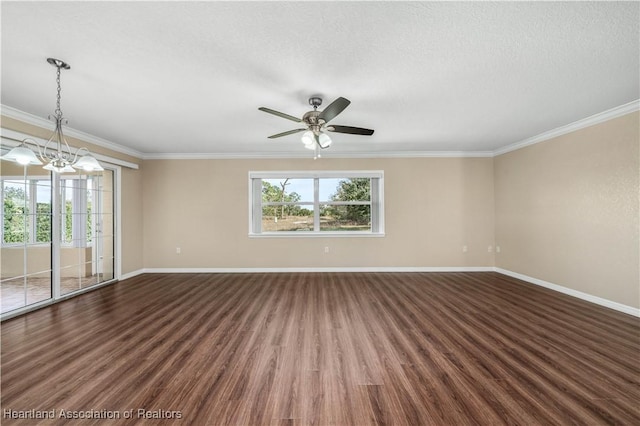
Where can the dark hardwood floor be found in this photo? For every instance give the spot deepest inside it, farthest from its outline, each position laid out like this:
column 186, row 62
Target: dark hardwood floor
column 323, row 348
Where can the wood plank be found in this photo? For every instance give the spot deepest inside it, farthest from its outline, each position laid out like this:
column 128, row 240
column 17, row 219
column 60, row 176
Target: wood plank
column 326, row 348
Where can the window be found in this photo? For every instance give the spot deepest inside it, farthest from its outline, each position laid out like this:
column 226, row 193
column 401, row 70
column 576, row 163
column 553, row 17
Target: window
column 76, row 192
column 316, row 203
column 26, row 210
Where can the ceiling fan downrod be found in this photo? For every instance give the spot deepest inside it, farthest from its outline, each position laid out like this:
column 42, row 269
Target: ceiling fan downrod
column 315, row 101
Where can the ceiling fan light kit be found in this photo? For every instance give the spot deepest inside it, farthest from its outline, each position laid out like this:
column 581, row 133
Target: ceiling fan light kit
column 309, row 140
column 315, row 135
column 57, row 159
column 324, row 140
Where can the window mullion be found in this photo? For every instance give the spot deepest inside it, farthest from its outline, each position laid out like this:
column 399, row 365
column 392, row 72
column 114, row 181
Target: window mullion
column 256, row 212
column 316, row 205
column 33, row 208
column 375, row 206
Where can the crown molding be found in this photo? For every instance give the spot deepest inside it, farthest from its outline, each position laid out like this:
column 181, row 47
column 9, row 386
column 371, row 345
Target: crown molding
column 34, row 120
column 306, row 155
column 601, row 117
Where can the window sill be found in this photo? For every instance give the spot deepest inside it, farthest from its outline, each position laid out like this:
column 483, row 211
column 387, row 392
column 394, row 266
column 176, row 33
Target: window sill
column 307, row 234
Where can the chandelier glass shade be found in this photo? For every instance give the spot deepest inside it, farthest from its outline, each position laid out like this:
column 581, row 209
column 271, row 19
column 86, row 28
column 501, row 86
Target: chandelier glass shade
column 56, row 152
column 22, row 155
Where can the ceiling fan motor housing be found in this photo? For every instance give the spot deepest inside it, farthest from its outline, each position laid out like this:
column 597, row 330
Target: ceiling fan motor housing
column 312, row 120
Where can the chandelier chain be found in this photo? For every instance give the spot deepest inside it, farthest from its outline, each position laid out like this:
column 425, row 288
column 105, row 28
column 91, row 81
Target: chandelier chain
column 58, row 110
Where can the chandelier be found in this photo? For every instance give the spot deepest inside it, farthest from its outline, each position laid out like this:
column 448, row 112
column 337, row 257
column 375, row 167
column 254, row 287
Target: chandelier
column 56, row 152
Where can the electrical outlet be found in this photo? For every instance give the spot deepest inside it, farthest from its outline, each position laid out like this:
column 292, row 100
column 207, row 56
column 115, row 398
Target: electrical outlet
column 465, row 249
column 326, row 249
column 178, row 250
column 489, row 249
column 497, row 249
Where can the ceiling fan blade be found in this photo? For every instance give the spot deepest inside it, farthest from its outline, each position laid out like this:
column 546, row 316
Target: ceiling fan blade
column 350, row 130
column 290, row 132
column 281, row 114
column 334, row 108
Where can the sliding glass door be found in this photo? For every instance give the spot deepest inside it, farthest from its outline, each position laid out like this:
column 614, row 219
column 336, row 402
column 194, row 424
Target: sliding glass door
column 86, row 226
column 57, row 233
column 25, row 255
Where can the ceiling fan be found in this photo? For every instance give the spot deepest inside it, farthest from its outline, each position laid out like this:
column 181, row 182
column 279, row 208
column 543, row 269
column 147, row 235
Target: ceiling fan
column 316, row 123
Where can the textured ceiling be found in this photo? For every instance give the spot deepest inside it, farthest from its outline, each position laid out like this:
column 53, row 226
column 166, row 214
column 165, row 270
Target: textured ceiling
column 188, row 77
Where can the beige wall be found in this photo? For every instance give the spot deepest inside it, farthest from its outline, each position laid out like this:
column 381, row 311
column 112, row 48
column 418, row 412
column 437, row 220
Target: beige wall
column 132, row 223
column 567, row 210
column 433, row 206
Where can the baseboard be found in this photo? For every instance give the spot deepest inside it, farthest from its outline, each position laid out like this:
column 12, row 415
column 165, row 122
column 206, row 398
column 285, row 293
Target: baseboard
column 575, row 293
column 131, row 274
column 320, row 269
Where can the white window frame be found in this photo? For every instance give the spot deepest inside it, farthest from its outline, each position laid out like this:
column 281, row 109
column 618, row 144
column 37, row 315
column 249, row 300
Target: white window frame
column 376, row 202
